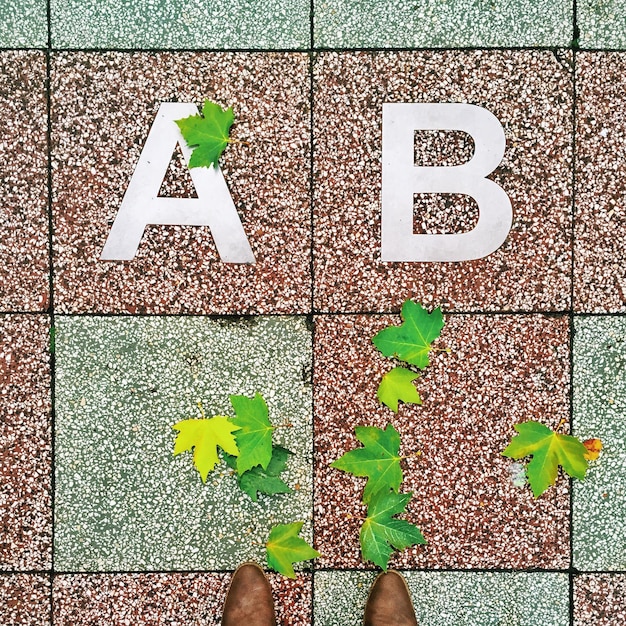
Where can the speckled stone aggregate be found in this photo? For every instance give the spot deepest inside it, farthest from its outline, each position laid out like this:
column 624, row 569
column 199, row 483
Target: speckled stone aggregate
column 600, row 226
column 501, row 370
column 102, row 108
column 23, row 182
column 180, row 24
column 431, row 23
column 529, row 92
column 599, row 599
column 25, row 444
column 123, row 501
column 23, row 24
column 601, row 23
column 25, row 599
column 172, row 599
column 452, row 598
column 599, row 503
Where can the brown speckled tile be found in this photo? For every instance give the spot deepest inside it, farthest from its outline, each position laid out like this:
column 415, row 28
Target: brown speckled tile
column 102, row 108
column 25, row 599
column 25, row 443
column 501, row 370
column 599, row 600
column 530, row 92
column 600, row 226
column 160, row 599
column 23, row 183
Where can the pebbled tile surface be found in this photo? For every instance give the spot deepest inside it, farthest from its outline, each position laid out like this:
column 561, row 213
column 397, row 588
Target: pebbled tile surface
column 23, row 182
column 25, row 444
column 174, row 599
column 530, row 93
column 102, row 108
column 600, row 226
column 599, row 599
column 123, row 501
column 182, row 24
column 599, row 502
column 23, row 24
column 432, row 24
column 25, row 599
column 501, row 370
column 452, row 598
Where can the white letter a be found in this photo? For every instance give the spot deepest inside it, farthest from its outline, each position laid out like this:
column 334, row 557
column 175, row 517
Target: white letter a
column 214, row 206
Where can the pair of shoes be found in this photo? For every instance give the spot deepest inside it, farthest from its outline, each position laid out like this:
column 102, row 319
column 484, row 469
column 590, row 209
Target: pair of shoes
column 389, row 602
column 249, row 600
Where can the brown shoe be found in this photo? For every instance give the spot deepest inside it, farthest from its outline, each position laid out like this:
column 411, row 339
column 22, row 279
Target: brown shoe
column 389, row 602
column 249, row 601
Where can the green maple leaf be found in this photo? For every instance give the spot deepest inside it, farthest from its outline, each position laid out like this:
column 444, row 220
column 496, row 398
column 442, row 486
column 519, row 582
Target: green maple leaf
column 266, row 481
column 395, row 386
column 254, row 437
column 381, row 533
column 411, row 342
column 207, row 134
column 548, row 450
column 378, row 459
column 285, row 547
column 204, row 435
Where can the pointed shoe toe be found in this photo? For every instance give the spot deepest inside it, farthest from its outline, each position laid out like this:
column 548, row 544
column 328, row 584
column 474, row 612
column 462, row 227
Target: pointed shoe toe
column 389, row 602
column 249, row 601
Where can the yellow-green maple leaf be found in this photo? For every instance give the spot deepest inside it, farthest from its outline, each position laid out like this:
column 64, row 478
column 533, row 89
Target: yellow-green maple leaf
column 397, row 386
column 204, row 435
column 548, row 450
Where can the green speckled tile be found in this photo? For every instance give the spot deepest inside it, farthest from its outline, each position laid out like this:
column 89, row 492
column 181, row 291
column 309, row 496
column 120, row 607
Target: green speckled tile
column 452, row 598
column 602, row 23
column 599, row 504
column 450, row 24
column 23, row 24
column 123, row 501
column 136, row 24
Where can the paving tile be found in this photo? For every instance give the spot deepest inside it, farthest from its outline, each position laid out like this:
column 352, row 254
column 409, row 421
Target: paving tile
column 601, row 24
column 23, row 24
column 501, row 370
column 600, row 226
column 599, row 503
column 103, row 107
column 432, row 24
column 123, row 502
column 25, row 444
column 25, row 599
column 156, row 599
column 23, row 182
column 452, row 598
column 530, row 92
column 183, row 24
column 599, row 599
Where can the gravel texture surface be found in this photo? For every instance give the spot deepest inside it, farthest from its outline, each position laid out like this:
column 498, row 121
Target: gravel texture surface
column 600, row 227
column 501, row 370
column 601, row 24
column 452, row 598
column 23, row 23
column 432, row 24
column 102, row 108
column 180, row 24
column 530, row 92
column 599, row 599
column 123, row 501
column 25, row 444
column 172, row 599
column 23, row 182
column 599, row 507
column 25, row 599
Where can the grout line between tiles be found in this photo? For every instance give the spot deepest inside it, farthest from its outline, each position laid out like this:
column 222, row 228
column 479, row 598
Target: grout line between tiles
column 51, row 305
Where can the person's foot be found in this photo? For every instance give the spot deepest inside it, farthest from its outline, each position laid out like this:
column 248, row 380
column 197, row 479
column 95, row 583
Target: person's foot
column 389, row 602
column 249, row 601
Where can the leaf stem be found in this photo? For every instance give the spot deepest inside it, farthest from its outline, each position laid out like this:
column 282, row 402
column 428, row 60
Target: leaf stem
column 285, row 425
column 201, row 409
column 241, row 141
